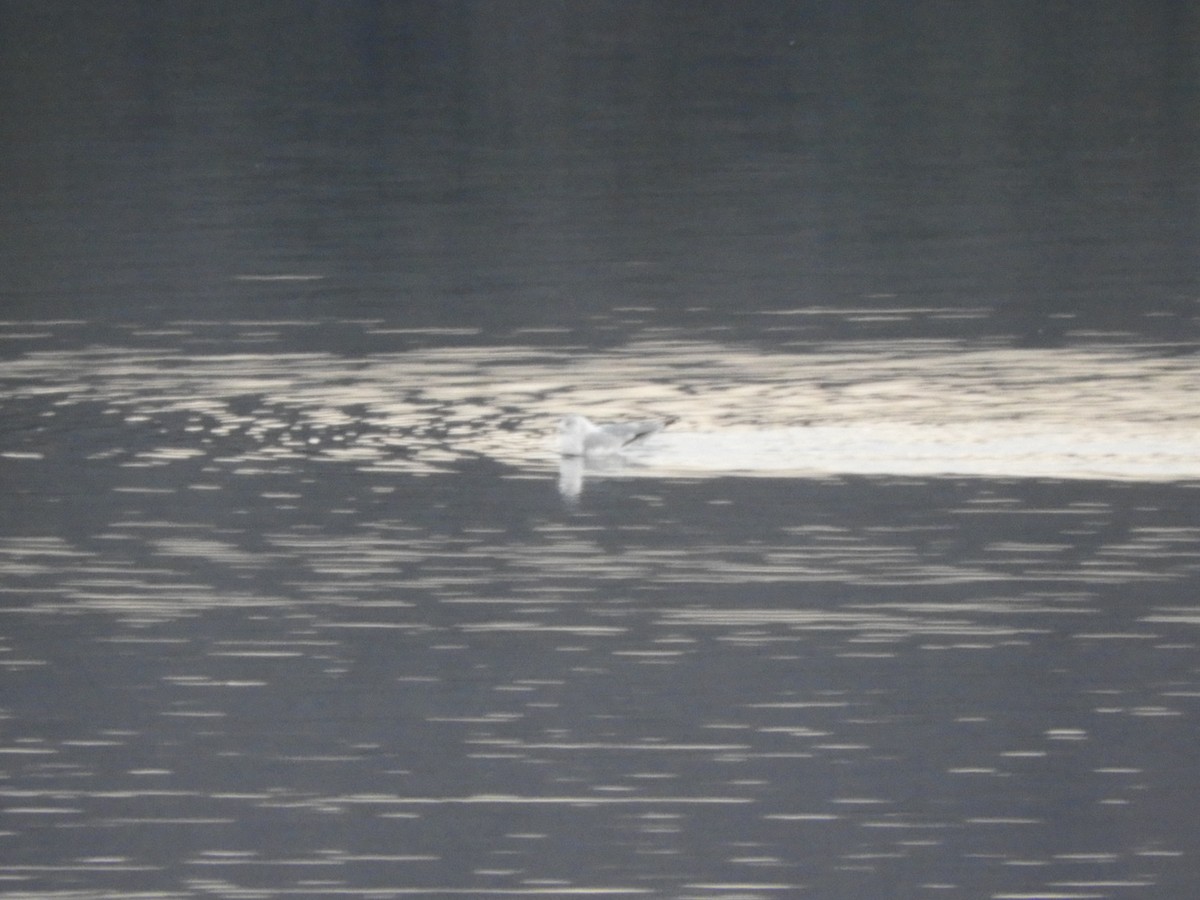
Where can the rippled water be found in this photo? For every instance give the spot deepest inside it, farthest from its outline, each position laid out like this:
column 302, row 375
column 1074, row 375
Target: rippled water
column 905, row 618
column 895, row 407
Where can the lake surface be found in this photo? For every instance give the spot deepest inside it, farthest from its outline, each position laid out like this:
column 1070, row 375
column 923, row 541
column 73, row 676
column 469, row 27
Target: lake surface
column 298, row 598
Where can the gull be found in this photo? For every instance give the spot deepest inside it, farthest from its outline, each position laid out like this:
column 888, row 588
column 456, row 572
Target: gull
column 580, row 436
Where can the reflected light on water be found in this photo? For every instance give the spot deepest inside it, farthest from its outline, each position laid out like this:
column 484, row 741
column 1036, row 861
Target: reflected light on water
column 903, row 408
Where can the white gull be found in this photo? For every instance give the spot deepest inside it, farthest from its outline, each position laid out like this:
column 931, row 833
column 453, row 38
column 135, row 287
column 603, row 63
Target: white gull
column 580, row 436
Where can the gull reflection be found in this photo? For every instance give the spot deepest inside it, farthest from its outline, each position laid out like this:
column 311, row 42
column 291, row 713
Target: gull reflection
column 570, row 477
column 574, row 470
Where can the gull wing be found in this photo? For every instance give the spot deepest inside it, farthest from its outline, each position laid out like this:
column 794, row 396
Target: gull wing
column 621, row 434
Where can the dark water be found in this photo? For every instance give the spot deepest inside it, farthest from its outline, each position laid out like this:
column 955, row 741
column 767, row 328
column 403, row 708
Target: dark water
column 298, row 600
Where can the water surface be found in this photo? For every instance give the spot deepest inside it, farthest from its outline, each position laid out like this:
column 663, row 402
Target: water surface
column 300, row 623
column 298, row 600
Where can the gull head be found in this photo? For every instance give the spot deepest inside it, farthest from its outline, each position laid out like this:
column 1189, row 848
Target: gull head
column 572, row 433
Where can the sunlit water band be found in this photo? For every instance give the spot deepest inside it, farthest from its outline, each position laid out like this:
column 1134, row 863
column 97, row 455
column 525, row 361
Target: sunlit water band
column 916, row 408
